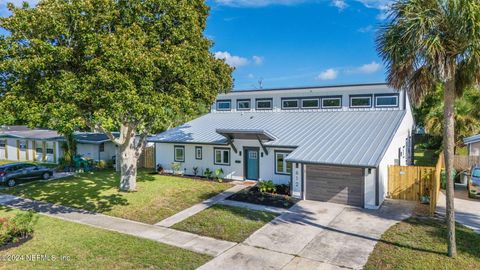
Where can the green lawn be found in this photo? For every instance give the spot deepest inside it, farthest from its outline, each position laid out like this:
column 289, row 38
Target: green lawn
column 420, row 243
column 157, row 196
column 91, row 248
column 226, row 222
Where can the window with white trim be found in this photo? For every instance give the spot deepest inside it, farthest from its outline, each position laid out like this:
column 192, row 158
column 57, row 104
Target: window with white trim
column 290, row 103
column 361, row 102
column 222, row 156
column 332, row 103
column 224, row 105
column 385, row 101
column 310, row 103
column 243, row 105
column 264, row 104
column 179, row 153
column 281, row 165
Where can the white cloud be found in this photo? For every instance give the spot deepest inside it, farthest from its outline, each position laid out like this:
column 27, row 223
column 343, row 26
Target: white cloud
column 329, row 74
column 340, row 4
column 366, row 68
column 366, row 29
column 250, row 76
column 232, row 60
column 258, row 60
column 258, row 3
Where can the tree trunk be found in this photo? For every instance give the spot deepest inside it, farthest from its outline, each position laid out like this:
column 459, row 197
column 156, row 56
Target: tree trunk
column 128, row 165
column 449, row 147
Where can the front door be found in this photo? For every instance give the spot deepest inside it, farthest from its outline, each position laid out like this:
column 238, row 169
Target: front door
column 251, row 163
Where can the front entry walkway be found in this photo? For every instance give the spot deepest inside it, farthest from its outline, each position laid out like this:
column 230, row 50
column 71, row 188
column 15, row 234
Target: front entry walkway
column 193, row 242
column 315, row 235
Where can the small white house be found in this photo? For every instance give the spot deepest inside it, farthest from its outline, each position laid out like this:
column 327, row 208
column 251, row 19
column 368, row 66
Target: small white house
column 329, row 143
column 96, row 146
column 473, row 145
column 20, row 143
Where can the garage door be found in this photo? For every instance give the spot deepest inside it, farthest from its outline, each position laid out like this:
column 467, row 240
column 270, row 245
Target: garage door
column 344, row 185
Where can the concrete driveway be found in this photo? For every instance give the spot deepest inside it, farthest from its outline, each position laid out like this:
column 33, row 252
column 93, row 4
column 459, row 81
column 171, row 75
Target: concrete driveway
column 467, row 211
column 314, row 235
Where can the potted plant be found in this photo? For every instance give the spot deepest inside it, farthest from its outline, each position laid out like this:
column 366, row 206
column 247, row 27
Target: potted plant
column 195, row 171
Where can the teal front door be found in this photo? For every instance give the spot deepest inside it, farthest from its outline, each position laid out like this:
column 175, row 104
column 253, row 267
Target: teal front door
column 251, row 163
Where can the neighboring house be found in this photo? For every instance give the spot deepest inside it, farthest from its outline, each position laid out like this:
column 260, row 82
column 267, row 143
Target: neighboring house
column 20, row 143
column 96, row 146
column 24, row 144
column 329, row 143
column 473, row 145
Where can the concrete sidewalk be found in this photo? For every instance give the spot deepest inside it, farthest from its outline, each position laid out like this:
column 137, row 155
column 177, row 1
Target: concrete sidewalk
column 193, row 242
column 197, row 208
column 252, row 206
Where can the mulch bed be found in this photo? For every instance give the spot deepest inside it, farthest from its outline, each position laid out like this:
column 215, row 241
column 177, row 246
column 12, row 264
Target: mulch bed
column 253, row 195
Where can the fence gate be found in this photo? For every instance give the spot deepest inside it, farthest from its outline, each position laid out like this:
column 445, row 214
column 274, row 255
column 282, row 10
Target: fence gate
column 147, row 159
column 410, row 182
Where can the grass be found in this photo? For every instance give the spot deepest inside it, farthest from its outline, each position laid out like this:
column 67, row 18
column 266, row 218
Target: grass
column 157, row 196
column 420, row 243
column 91, row 248
column 253, row 195
column 226, row 222
column 425, row 157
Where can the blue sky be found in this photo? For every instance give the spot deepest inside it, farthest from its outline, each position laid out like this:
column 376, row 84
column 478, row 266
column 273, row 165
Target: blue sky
column 285, row 43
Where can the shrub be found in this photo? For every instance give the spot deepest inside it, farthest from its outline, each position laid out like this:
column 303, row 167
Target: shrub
column 208, row 173
column 283, row 189
column 267, row 186
column 195, row 171
column 218, row 173
column 102, row 164
column 176, row 167
column 16, row 228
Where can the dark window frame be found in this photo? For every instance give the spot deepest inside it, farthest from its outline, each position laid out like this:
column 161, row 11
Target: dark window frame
column 310, row 98
column 101, row 147
column 396, row 95
column 275, row 162
column 3, row 143
column 224, row 100
column 215, row 157
column 244, row 100
column 196, row 152
column 332, row 97
column 351, row 97
column 291, row 99
column 264, row 99
column 175, row 153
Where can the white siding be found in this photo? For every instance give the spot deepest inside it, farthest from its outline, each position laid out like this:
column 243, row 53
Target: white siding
column 391, row 155
column 370, row 179
column 165, row 157
column 11, row 149
column 474, row 149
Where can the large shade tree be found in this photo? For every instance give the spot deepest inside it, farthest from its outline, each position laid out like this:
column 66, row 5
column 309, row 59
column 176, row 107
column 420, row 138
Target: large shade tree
column 133, row 66
column 426, row 42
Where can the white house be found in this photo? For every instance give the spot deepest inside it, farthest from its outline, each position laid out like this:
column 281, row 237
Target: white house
column 473, row 145
column 329, row 143
column 96, row 146
column 21, row 143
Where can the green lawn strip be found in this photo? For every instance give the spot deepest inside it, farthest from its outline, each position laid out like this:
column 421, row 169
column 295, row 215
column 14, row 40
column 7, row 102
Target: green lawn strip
column 421, row 243
column 226, row 222
column 91, row 248
column 157, row 196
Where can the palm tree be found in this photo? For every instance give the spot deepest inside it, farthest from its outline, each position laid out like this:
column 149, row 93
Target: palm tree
column 426, row 42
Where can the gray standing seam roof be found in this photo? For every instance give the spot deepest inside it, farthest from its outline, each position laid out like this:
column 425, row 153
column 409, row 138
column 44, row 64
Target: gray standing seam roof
column 472, row 139
column 350, row 138
column 38, row 134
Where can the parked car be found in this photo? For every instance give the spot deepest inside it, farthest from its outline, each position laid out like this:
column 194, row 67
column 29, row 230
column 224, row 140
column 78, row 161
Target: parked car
column 474, row 182
column 14, row 173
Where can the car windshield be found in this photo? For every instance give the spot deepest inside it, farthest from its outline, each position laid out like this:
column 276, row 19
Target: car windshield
column 476, row 173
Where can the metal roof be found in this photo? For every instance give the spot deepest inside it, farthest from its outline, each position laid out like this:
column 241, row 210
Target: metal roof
column 353, row 138
column 23, row 132
column 309, row 87
column 92, row 137
column 472, row 139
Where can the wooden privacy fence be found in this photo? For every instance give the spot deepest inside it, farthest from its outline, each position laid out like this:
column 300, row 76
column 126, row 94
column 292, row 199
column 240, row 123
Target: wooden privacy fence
column 409, row 182
column 461, row 163
column 412, row 182
column 147, row 159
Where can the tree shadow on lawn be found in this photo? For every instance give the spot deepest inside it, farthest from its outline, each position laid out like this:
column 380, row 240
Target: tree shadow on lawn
column 96, row 191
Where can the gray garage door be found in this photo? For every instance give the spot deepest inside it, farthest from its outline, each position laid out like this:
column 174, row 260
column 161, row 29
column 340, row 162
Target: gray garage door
column 343, row 185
